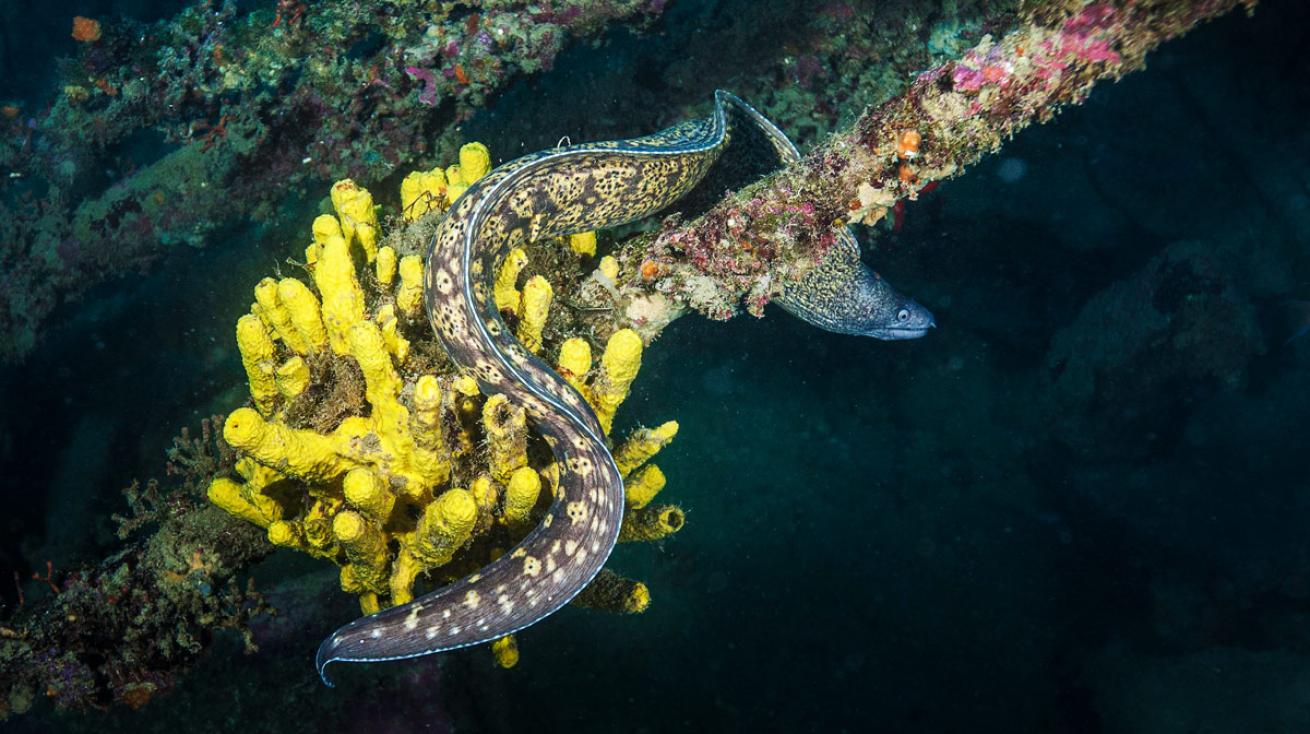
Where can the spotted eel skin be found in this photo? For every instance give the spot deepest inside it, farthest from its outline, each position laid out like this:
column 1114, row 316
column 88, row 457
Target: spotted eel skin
column 843, row 295
column 556, row 192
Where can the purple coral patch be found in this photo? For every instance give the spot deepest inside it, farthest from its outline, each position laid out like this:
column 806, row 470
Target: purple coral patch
column 428, row 95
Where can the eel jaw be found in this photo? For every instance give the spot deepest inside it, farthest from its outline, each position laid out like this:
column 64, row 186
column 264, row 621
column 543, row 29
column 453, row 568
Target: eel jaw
column 894, row 335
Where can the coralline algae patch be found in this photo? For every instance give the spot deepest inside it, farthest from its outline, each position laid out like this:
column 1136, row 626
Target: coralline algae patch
column 364, row 445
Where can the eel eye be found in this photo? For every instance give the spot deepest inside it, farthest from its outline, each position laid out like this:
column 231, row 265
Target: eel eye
column 903, row 315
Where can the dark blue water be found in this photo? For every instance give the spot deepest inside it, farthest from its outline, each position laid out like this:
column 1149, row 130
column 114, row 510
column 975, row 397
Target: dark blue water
column 1079, row 505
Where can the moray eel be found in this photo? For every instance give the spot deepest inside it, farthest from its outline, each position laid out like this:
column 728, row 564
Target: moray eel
column 842, row 294
column 558, row 192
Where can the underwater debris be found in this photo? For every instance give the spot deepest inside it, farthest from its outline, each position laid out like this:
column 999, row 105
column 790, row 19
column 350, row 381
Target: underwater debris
column 419, row 479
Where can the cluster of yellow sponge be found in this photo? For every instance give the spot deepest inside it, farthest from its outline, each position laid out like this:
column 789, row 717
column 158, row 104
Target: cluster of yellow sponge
column 425, row 191
column 362, row 445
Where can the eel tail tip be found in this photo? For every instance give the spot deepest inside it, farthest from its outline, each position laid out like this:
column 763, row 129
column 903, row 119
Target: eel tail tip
column 323, row 659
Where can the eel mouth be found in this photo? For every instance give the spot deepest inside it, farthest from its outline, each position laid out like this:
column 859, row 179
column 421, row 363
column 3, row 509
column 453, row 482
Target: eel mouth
column 912, row 329
column 901, row 334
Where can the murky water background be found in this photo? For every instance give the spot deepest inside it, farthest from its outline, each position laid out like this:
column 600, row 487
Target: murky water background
column 1079, row 505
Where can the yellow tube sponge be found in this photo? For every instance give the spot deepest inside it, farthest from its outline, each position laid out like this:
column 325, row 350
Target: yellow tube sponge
column 537, row 295
column 252, row 507
column 653, row 522
column 259, row 357
column 643, row 444
column 279, row 317
column 574, row 363
column 521, row 495
column 426, row 421
column 611, row 592
column 385, row 265
column 257, row 475
column 446, row 525
column 292, row 377
column 386, row 439
column 381, row 381
column 468, row 414
column 365, row 492
column 326, row 227
column 366, row 551
column 397, row 344
column 360, row 420
column 506, row 425
column 312, row 251
column 618, row 368
column 583, row 243
column 506, row 651
column 343, row 299
column 304, row 311
column 486, row 494
column 466, row 386
column 299, row 453
column 404, row 571
column 368, row 600
column 285, row 534
column 359, row 220
column 642, row 486
column 409, row 296
column 506, row 289
column 550, row 474
column 422, row 192
column 258, row 311
column 311, row 533
column 474, row 162
column 316, row 526
column 609, row 267
column 455, row 185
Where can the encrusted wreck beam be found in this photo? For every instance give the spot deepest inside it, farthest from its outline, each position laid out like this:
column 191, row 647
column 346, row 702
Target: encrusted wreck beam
column 739, row 254
column 250, row 105
column 128, row 627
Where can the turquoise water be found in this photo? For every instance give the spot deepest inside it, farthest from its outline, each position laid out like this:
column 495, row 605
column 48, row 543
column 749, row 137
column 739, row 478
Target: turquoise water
column 1078, row 505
